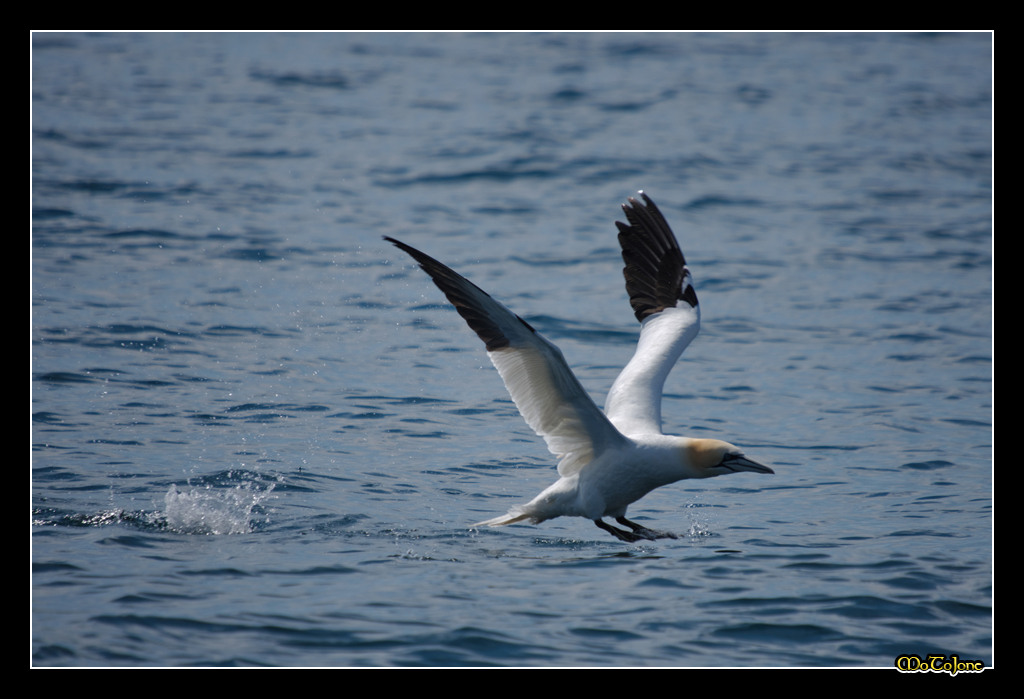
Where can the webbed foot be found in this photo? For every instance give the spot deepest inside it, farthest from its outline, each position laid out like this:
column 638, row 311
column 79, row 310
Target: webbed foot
column 645, row 533
column 639, row 532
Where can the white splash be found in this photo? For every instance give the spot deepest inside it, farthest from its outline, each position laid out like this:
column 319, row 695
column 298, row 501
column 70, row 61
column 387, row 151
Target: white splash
column 209, row 510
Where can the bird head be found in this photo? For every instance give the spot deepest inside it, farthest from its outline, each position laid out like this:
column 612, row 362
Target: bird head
column 713, row 457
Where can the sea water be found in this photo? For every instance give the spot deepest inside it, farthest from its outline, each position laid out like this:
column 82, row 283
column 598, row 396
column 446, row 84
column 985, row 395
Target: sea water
column 260, row 434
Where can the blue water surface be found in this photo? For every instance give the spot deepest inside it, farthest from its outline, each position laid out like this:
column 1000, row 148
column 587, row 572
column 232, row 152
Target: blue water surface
column 260, row 434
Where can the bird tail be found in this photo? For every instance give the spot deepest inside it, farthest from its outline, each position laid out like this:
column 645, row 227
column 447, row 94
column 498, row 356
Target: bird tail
column 512, row 517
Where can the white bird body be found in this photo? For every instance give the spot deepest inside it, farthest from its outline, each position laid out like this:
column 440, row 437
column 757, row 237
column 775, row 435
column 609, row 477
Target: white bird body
column 650, row 460
column 607, row 460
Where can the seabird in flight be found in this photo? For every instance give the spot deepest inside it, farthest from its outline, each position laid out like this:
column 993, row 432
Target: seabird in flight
column 607, row 460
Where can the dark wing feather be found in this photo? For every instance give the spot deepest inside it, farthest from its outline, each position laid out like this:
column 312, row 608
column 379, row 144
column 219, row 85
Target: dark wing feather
column 655, row 271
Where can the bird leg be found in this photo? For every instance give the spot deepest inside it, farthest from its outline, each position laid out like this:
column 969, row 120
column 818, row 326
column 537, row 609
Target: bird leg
column 620, row 534
column 639, row 532
column 645, row 533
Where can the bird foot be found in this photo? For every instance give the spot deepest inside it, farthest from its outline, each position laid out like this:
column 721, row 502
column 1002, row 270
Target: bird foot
column 639, row 532
column 644, row 532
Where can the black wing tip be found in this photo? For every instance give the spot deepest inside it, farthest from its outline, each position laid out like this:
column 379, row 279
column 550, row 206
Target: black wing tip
column 632, row 202
column 402, row 246
column 399, row 244
column 427, row 263
column 656, row 274
column 454, row 286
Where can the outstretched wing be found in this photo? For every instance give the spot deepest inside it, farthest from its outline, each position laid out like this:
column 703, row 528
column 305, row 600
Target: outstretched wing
column 661, row 292
column 542, row 386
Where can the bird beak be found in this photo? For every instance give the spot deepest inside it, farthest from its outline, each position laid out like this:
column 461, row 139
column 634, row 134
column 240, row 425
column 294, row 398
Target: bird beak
column 736, row 462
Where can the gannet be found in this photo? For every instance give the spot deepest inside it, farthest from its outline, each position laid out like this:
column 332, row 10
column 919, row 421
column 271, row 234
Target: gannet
column 609, row 460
